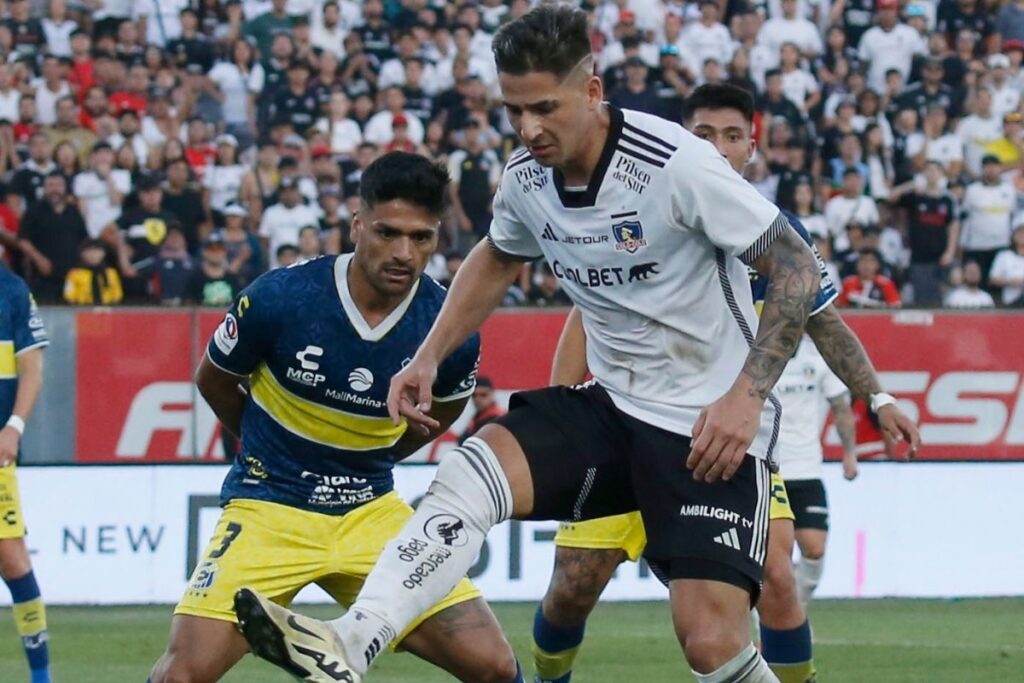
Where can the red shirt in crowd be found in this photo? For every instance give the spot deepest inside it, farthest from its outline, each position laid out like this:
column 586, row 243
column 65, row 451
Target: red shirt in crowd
column 81, row 78
column 23, row 131
column 874, row 294
column 199, row 158
column 122, row 100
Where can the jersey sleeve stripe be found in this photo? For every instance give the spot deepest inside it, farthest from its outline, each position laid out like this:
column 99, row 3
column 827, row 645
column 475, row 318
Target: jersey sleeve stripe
column 37, row 345
column 653, row 138
column 644, row 146
column 518, row 162
column 506, row 255
column 221, row 367
column 761, row 244
column 641, row 157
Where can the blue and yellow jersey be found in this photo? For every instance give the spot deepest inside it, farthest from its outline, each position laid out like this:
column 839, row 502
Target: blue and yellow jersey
column 826, row 290
column 315, row 430
column 21, row 329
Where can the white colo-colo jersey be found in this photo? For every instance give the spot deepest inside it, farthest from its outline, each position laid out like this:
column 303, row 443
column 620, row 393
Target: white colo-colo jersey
column 806, row 379
column 648, row 252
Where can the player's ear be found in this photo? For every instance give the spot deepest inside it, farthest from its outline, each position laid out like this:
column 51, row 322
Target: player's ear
column 357, row 226
column 595, row 91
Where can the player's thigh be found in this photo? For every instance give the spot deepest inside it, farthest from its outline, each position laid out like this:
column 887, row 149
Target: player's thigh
column 14, row 559
column 576, row 448
column 273, row 549
column 201, row 650
column 697, row 530
column 465, row 640
column 711, row 620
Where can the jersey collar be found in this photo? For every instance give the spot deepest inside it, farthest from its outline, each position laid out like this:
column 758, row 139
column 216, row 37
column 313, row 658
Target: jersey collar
column 367, row 333
column 588, row 197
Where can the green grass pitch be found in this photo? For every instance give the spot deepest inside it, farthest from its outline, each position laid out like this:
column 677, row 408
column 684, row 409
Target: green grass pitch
column 884, row 641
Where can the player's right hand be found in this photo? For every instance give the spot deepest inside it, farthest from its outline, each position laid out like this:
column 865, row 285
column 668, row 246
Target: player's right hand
column 9, row 438
column 410, row 395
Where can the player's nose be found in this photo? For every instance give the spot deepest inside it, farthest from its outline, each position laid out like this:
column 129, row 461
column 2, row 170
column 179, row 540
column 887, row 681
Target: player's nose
column 529, row 127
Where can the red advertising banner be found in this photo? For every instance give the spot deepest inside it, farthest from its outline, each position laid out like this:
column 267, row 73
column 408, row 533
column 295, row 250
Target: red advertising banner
column 958, row 375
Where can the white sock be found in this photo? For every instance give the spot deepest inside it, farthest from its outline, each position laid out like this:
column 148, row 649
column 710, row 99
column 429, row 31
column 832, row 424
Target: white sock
column 808, row 574
column 746, row 667
column 755, row 625
column 432, row 553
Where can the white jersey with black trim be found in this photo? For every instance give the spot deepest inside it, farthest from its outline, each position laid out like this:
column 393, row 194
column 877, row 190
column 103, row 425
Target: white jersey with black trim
column 806, row 380
column 648, row 252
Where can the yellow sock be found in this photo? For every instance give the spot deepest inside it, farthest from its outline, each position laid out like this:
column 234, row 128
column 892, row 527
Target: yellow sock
column 551, row 666
column 802, row 672
column 30, row 617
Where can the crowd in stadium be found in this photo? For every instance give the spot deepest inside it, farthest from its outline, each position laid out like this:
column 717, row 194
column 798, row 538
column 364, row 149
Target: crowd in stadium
column 169, row 151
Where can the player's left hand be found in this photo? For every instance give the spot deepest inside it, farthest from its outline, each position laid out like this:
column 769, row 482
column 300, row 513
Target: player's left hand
column 9, row 439
column 896, row 426
column 722, row 435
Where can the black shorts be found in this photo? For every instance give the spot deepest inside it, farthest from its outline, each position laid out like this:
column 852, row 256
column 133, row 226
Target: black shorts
column 588, row 459
column 809, row 502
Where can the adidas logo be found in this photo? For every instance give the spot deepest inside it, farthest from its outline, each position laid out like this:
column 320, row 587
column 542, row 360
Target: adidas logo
column 549, row 233
column 730, row 539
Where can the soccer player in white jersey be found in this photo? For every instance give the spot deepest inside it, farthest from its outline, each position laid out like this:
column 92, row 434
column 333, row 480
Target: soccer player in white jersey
column 805, row 381
column 648, row 228
column 588, row 553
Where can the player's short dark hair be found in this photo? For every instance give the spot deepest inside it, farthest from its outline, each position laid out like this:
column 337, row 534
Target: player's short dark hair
column 406, row 176
column 548, row 38
column 720, row 96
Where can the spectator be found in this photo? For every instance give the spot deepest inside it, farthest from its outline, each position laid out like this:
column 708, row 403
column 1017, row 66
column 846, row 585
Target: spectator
column 161, row 124
column 485, row 407
column 635, row 92
column 793, row 174
column 212, row 283
column 185, row 204
column 978, row 131
column 328, row 33
column 10, row 96
column 344, row 133
column 930, row 91
column 57, row 29
column 380, row 128
column 988, row 205
column 93, row 281
column 294, row 105
column 51, row 231
column 287, row 255
column 849, row 208
column 242, row 246
column 28, row 36
column 889, row 45
column 475, row 172
column 969, row 294
column 142, row 230
column 281, row 222
column 100, row 191
column 67, row 129
column 174, row 266
column 238, row 79
column 939, row 144
column 707, row 38
column 49, row 88
column 1008, row 271
column 65, row 160
column 1007, row 149
column 128, row 134
column 334, row 228
column 934, row 230
column 868, row 288
column 1010, row 21
column 27, row 181
column 310, row 243
column 789, row 28
column 135, row 93
column 160, row 20
column 222, row 183
column 774, row 103
column 798, row 84
column 199, row 152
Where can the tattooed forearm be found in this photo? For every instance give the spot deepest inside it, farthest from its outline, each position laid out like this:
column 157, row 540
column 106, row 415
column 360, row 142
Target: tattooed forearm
column 844, row 353
column 793, row 279
column 845, row 425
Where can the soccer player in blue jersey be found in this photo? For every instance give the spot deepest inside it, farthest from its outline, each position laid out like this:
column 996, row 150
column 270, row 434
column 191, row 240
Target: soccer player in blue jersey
column 22, row 340
column 309, row 498
column 589, row 552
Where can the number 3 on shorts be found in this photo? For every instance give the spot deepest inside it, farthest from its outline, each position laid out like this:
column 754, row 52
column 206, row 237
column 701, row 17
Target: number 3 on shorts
column 234, row 529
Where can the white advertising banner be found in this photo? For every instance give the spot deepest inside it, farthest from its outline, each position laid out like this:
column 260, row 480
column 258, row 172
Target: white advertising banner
column 117, row 535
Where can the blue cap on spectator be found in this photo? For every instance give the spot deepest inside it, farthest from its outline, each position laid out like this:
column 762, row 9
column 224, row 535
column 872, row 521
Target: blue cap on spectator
column 669, row 50
column 916, row 11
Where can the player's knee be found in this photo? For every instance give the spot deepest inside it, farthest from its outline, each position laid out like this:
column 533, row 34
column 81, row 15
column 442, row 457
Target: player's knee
column 813, row 551
column 497, row 665
column 779, row 583
column 708, row 648
column 14, row 561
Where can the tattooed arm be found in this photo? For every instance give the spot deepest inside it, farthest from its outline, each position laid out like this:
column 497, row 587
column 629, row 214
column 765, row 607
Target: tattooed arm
column 846, row 356
column 845, row 426
column 726, row 428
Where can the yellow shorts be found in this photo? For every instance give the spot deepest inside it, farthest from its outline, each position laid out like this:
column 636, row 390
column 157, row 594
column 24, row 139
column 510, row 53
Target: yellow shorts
column 278, row 550
column 12, row 523
column 626, row 532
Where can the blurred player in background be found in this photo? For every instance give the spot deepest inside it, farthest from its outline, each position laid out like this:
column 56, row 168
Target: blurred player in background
column 485, row 407
column 587, row 553
column 22, row 340
column 309, row 498
column 648, row 229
